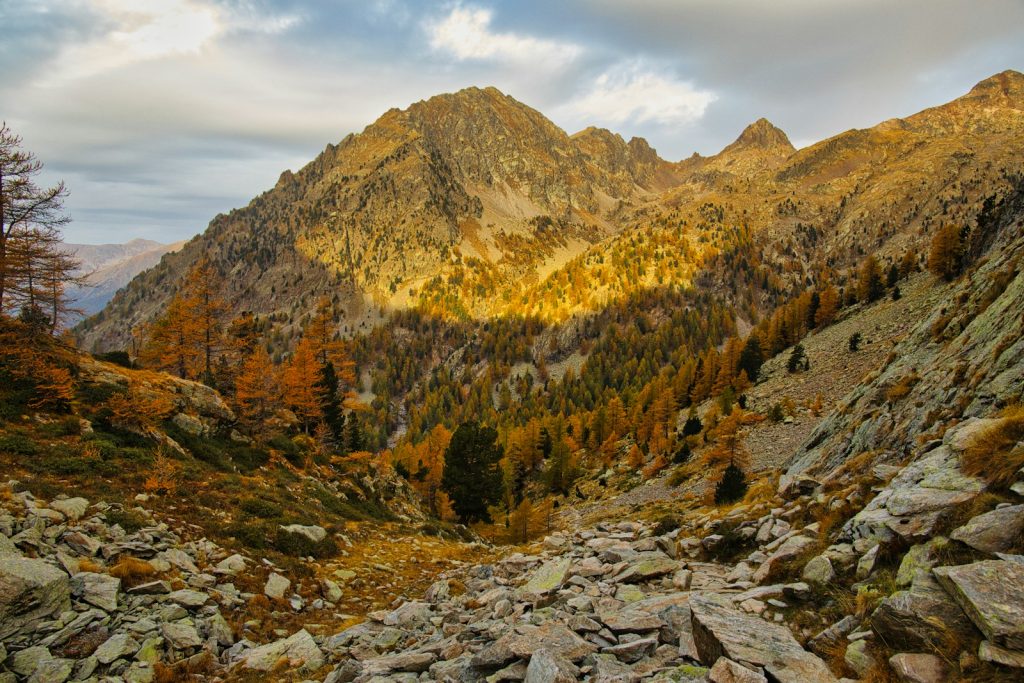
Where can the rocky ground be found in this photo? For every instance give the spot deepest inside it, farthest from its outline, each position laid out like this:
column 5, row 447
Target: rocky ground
column 912, row 581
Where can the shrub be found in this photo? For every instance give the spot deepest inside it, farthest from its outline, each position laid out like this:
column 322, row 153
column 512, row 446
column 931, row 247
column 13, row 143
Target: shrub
column 776, row 414
column 297, row 545
column 253, row 536
column 289, row 448
column 902, row 388
column 264, row 509
column 18, row 444
column 994, row 454
column 666, row 524
column 129, row 520
column 853, row 343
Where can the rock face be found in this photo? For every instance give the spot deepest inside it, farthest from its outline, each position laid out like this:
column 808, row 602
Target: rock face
column 992, row 595
column 30, row 591
column 720, row 630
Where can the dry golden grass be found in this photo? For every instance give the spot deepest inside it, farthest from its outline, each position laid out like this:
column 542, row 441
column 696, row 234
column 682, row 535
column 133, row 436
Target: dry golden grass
column 87, row 565
column 131, row 570
column 993, row 454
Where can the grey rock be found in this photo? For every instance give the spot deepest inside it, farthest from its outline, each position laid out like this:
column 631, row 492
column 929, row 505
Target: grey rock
column 633, row 651
column 523, row 641
column 728, row 671
column 414, row 662
column 988, row 652
column 189, row 598
column 276, row 586
column 548, row 578
column 998, row 531
column 181, row 635
column 918, row 668
column 791, row 548
column 628, row 621
column 312, row 532
column 818, row 571
column 408, row 615
column 96, row 589
column 117, row 646
column 992, row 595
column 25, row 662
column 550, row 667
column 231, row 565
column 719, row 630
column 920, row 618
column 30, row 591
column 53, row 671
column 858, row 659
column 72, row 508
column 300, row 649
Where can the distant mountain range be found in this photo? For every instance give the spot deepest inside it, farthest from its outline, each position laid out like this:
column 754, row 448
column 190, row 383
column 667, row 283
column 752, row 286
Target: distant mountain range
column 109, row 267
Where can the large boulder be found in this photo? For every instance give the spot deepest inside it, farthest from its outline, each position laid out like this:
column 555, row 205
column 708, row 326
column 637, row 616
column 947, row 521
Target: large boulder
column 992, row 595
column 720, row 630
column 96, row 589
column 300, row 650
column 548, row 578
column 921, row 618
column 998, row 531
column 523, row 641
column 30, row 591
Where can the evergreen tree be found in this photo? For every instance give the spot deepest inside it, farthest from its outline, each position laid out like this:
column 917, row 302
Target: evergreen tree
column 693, row 425
column 751, row 357
column 471, row 476
column 330, row 403
column 732, row 487
column 798, row 359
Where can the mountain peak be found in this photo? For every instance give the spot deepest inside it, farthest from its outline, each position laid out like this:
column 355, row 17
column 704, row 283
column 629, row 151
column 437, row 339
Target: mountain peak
column 761, row 134
column 1000, row 88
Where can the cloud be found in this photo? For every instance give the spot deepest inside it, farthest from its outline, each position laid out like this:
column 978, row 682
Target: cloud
column 634, row 92
column 466, row 35
column 156, row 29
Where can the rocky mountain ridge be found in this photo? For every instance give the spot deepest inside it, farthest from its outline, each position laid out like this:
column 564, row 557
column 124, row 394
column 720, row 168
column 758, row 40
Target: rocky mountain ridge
column 468, row 205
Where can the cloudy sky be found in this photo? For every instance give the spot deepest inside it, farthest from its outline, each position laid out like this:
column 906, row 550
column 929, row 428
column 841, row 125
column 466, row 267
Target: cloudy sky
column 161, row 113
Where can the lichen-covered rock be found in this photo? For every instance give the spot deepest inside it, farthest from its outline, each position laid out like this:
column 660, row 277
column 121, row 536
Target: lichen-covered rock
column 720, row 630
column 30, row 590
column 998, row 531
column 920, row 618
column 300, row 650
column 992, row 595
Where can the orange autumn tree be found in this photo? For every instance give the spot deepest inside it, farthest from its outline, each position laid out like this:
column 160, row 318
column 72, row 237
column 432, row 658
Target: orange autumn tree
column 172, row 344
column 298, row 384
column 189, row 334
column 424, row 463
column 728, row 454
column 256, row 387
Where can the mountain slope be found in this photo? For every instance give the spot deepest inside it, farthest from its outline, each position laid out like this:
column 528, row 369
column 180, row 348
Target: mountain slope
column 472, row 205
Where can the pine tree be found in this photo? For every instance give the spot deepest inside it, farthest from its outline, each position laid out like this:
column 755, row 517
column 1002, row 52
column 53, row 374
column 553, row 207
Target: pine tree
column 472, row 476
column 798, row 359
column 330, row 402
column 732, row 486
column 751, row 357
